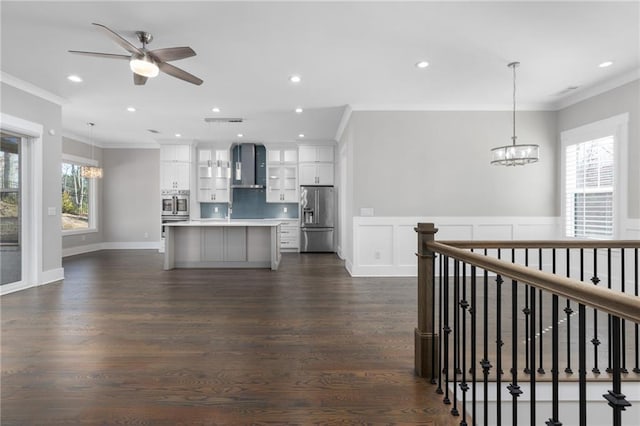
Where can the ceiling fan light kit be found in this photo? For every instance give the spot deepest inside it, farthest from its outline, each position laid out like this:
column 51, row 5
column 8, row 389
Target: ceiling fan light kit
column 144, row 66
column 514, row 154
column 147, row 63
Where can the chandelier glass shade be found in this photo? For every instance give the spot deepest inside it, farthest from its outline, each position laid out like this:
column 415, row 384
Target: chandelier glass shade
column 515, row 154
column 91, row 172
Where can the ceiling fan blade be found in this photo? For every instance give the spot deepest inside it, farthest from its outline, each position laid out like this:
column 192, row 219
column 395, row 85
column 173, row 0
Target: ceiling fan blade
column 178, row 73
column 138, row 79
column 118, row 39
column 172, row 53
column 101, row 55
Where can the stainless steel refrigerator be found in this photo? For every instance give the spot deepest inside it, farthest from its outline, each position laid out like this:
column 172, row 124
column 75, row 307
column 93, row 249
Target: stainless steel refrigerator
column 317, row 213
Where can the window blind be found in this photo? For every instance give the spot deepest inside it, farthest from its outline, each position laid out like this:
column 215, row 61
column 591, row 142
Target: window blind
column 589, row 183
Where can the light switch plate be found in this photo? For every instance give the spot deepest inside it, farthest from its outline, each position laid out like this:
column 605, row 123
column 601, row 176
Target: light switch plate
column 51, row 211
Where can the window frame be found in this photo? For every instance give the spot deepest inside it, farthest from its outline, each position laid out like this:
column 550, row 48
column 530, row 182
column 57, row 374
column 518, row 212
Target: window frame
column 616, row 126
column 93, row 199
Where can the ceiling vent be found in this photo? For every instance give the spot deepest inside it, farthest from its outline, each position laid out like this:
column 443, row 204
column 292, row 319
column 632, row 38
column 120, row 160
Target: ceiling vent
column 154, row 131
column 223, row 120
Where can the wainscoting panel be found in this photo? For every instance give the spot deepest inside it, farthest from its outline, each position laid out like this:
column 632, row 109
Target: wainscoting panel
column 386, row 246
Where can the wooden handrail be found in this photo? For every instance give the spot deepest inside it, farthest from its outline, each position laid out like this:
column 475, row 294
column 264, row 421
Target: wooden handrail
column 535, row 244
column 615, row 303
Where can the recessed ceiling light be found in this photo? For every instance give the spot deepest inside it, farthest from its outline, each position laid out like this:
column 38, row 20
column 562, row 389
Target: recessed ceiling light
column 299, row 110
column 301, row 135
column 74, row 78
column 422, row 64
column 240, row 135
column 295, row 79
column 605, row 64
column 131, row 109
column 215, row 109
column 178, row 135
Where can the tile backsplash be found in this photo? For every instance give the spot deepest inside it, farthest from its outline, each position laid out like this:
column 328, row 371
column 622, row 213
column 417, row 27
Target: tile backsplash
column 249, row 203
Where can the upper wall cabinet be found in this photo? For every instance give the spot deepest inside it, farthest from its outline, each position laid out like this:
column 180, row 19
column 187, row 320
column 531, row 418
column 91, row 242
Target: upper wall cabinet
column 181, row 153
column 282, row 155
column 315, row 154
column 282, row 175
column 175, row 167
column 214, row 175
column 316, row 164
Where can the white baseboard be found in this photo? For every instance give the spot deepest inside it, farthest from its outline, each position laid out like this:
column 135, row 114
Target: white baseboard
column 47, row 277
column 135, row 245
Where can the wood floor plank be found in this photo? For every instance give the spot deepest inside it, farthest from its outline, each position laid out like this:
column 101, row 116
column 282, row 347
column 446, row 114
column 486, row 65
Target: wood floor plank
column 121, row 341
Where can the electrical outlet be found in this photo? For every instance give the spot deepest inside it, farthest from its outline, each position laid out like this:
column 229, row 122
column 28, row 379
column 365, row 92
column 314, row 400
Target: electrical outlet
column 215, row 210
column 377, row 255
column 84, row 238
column 284, row 209
column 146, row 235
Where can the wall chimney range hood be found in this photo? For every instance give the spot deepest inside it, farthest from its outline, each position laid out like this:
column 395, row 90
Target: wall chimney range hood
column 244, row 169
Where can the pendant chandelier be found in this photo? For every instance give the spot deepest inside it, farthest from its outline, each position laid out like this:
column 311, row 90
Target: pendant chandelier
column 514, row 154
column 91, row 172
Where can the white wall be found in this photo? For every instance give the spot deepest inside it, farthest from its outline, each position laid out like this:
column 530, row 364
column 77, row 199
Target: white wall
column 417, row 163
column 23, row 105
column 623, row 99
column 131, row 198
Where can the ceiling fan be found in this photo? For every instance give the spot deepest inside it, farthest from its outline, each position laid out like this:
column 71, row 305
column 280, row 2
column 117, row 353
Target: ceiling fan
column 147, row 63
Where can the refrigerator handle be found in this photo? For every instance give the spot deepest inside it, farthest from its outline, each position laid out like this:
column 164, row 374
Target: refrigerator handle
column 315, row 219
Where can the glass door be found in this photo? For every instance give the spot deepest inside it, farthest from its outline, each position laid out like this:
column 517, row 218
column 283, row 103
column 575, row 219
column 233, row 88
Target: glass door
column 10, row 209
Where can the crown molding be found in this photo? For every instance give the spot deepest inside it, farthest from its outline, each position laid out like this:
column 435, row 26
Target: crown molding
column 32, row 89
column 455, row 108
column 597, row 89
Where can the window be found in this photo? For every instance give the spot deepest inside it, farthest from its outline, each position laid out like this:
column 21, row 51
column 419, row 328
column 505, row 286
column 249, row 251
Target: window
column 593, row 176
column 78, row 197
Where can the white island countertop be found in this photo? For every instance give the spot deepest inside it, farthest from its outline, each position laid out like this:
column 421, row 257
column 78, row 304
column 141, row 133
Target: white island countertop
column 228, row 222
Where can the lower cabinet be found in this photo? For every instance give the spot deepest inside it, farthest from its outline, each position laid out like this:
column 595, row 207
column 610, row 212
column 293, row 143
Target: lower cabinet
column 224, row 244
column 289, row 235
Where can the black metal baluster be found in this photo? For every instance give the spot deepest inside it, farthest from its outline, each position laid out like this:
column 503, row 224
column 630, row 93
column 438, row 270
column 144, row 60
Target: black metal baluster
column 440, row 326
column 595, row 341
column 513, row 388
column 532, row 348
column 473, row 345
column 636, row 369
column 455, row 306
column 582, row 353
column 540, row 315
column 623, row 322
column 486, row 365
column 526, row 311
column 568, row 311
column 433, row 321
column 464, row 305
column 499, row 282
column 555, row 365
column 447, row 332
column 615, row 397
column 609, row 318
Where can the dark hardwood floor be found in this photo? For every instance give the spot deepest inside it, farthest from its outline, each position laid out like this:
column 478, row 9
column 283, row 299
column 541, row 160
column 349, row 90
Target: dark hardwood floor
column 121, row 341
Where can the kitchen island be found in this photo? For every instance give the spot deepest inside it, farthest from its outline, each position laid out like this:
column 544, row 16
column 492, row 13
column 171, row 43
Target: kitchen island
column 220, row 243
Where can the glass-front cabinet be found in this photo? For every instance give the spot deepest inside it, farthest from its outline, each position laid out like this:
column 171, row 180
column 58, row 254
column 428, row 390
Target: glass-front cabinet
column 214, row 175
column 282, row 175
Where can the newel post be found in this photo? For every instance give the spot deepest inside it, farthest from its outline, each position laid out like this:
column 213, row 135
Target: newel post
column 426, row 340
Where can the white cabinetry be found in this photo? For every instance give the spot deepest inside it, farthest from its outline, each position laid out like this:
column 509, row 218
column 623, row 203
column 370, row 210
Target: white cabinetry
column 316, row 165
column 289, row 235
column 214, row 175
column 282, row 175
column 175, row 167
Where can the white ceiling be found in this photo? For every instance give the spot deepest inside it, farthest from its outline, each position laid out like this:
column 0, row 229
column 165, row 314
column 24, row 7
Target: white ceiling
column 360, row 54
